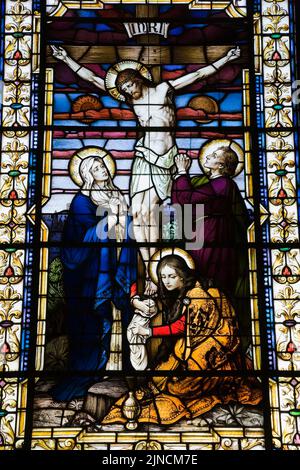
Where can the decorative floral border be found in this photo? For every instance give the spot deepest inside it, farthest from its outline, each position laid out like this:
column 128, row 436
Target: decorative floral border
column 18, row 146
column 278, row 155
column 278, row 194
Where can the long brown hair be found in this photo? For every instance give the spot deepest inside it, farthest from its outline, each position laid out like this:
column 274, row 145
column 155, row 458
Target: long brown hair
column 173, row 300
column 133, row 75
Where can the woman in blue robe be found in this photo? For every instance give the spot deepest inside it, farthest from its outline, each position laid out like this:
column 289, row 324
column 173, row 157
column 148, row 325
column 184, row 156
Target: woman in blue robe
column 96, row 273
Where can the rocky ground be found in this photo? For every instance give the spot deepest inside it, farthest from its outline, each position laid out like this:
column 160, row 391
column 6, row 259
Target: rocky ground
column 79, row 413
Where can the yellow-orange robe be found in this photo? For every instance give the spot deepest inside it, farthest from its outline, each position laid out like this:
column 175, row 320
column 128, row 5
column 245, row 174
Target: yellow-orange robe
column 211, row 343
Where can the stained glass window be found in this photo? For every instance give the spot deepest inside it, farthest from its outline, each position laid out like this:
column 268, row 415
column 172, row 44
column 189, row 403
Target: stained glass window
column 149, row 265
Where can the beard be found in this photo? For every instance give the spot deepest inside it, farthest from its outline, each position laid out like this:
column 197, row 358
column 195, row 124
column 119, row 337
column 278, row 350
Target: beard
column 137, row 94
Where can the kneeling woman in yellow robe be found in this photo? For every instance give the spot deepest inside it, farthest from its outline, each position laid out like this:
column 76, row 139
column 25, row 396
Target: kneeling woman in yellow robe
column 200, row 334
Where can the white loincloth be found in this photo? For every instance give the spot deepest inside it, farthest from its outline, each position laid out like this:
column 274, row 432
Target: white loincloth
column 150, row 170
column 137, row 342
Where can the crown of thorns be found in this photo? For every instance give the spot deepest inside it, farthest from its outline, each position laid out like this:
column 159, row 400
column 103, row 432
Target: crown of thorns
column 125, row 75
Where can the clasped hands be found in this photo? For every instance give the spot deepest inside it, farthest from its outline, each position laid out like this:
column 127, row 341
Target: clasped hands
column 183, row 162
column 117, row 212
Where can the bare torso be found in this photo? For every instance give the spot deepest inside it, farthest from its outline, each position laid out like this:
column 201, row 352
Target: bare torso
column 156, row 109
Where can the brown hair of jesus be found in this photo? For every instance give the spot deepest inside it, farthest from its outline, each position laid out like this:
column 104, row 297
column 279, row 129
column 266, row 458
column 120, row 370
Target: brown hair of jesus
column 130, row 75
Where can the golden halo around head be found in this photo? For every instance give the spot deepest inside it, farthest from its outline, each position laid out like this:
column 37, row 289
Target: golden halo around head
column 160, row 254
column 112, row 73
column 214, row 145
column 96, row 152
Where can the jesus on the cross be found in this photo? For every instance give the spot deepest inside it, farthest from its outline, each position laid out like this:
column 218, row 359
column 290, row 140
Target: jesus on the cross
column 154, row 162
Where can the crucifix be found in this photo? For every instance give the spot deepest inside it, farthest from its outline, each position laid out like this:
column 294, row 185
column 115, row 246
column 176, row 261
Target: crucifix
column 131, row 80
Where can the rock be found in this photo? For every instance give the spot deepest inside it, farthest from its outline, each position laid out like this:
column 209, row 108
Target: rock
column 67, row 418
column 111, row 427
column 234, row 416
column 81, row 419
column 102, row 395
column 247, row 416
column 47, row 402
column 51, row 417
column 43, row 386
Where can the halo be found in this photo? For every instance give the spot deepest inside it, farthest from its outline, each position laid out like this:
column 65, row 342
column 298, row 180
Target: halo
column 112, row 73
column 213, row 145
column 160, row 254
column 78, row 157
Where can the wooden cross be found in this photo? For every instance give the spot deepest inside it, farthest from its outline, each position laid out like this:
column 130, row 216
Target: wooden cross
column 149, row 11
column 149, row 51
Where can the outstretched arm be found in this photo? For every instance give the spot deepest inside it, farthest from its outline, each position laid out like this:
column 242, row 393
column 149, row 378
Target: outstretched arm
column 82, row 72
column 205, row 72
